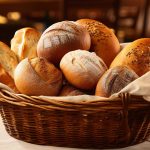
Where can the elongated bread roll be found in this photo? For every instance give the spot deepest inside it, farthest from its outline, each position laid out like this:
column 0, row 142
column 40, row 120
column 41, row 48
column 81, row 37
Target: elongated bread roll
column 135, row 55
column 8, row 59
column 24, row 43
column 6, row 79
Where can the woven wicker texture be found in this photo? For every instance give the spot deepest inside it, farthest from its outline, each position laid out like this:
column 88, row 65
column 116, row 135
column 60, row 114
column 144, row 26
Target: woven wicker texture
column 115, row 123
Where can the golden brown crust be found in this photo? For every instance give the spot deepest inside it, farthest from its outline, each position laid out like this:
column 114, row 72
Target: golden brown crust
column 103, row 40
column 69, row 90
column 136, row 55
column 47, row 71
column 7, row 80
column 38, row 77
column 61, row 38
column 114, row 79
column 24, row 43
column 82, row 69
column 8, row 59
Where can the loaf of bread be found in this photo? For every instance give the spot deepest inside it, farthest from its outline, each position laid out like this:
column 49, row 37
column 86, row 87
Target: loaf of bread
column 24, row 43
column 114, row 79
column 61, row 38
column 69, row 90
column 103, row 40
column 135, row 55
column 8, row 59
column 38, row 77
column 82, row 68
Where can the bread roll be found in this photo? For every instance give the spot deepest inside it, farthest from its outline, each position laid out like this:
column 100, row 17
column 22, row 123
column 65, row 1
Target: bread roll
column 82, row 68
column 24, row 43
column 8, row 59
column 114, row 79
column 135, row 55
column 7, row 80
column 61, row 38
column 103, row 40
column 38, row 77
column 69, row 90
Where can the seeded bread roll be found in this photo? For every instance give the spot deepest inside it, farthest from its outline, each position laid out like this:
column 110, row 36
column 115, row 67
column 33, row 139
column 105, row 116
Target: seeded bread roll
column 38, row 77
column 69, row 90
column 82, row 69
column 135, row 55
column 61, row 38
column 114, row 79
column 24, row 43
column 103, row 40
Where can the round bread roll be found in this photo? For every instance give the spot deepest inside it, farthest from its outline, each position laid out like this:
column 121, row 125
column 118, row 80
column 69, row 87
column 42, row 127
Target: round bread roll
column 82, row 68
column 24, row 43
column 69, row 90
column 61, row 38
column 135, row 55
column 38, row 77
column 114, row 79
column 103, row 40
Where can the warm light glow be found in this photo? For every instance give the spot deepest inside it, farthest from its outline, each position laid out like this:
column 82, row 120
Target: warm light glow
column 112, row 30
column 3, row 20
column 14, row 16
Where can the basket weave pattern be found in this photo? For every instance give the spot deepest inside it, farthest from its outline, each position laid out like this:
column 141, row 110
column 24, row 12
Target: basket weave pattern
column 87, row 124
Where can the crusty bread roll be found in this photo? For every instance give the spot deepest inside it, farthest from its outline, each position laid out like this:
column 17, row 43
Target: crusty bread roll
column 135, row 55
column 114, row 79
column 103, row 40
column 82, row 68
column 69, row 90
column 61, row 38
column 38, row 77
column 24, row 43
column 8, row 59
column 7, row 80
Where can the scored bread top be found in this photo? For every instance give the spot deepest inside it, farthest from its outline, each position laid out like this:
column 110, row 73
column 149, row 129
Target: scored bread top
column 31, row 78
column 82, row 68
column 67, row 26
column 47, row 71
column 114, row 79
column 24, row 43
column 60, row 38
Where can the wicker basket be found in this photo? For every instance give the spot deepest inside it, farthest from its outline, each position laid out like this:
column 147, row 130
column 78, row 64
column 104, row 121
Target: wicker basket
column 114, row 123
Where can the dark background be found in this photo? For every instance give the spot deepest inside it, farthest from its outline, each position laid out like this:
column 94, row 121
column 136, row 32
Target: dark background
column 129, row 19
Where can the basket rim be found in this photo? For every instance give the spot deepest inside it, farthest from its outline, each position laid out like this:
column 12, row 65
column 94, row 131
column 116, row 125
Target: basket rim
column 74, row 103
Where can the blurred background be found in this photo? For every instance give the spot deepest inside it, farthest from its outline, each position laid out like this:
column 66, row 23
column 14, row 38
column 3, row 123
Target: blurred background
column 130, row 19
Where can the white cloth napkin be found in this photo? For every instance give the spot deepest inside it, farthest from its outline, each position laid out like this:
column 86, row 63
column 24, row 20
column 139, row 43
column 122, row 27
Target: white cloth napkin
column 140, row 86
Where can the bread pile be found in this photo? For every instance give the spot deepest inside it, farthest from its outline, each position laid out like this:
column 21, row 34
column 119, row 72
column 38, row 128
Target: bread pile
column 72, row 58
